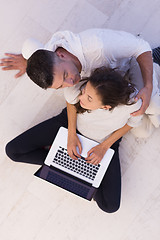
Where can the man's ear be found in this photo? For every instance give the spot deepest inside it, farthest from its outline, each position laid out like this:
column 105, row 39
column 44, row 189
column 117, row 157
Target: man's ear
column 63, row 54
column 106, row 107
column 60, row 54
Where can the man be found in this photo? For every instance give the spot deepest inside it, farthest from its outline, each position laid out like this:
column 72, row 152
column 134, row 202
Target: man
column 72, row 56
column 67, row 58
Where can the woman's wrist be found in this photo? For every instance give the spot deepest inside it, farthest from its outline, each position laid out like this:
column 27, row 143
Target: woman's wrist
column 71, row 131
column 106, row 144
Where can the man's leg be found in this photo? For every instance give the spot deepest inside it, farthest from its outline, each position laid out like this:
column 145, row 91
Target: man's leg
column 109, row 192
column 156, row 55
column 29, row 147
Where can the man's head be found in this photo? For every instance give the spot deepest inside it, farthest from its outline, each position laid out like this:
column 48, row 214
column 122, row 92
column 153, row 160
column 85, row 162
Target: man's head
column 53, row 69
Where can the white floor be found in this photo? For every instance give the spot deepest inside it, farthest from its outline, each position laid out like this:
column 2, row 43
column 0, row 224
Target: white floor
column 31, row 209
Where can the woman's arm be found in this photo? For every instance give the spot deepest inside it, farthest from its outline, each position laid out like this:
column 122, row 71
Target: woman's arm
column 96, row 153
column 73, row 140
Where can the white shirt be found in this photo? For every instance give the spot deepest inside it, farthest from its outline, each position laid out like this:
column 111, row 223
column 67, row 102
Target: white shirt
column 94, row 48
column 99, row 124
column 100, row 47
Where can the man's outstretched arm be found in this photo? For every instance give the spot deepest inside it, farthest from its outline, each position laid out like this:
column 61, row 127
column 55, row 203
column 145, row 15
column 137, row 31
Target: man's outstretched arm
column 146, row 65
column 14, row 62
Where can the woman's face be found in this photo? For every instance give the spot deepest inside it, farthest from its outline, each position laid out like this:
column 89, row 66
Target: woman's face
column 89, row 99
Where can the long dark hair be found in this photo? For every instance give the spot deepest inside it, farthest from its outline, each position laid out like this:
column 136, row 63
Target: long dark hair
column 111, row 86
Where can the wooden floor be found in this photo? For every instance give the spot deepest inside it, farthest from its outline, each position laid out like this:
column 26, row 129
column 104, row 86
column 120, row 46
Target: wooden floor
column 31, row 209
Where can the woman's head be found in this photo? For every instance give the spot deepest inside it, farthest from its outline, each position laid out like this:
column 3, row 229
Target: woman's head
column 90, row 99
column 105, row 89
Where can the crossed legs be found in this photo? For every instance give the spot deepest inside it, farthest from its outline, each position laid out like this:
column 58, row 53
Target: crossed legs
column 29, row 147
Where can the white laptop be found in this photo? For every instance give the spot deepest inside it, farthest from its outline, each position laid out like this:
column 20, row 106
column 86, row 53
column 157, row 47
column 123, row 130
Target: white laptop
column 76, row 176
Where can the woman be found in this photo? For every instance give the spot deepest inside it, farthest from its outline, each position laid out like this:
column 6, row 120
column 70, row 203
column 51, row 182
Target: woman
column 99, row 109
column 104, row 106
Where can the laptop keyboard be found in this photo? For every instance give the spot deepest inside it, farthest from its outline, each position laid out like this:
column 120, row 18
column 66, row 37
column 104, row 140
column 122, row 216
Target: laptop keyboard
column 68, row 184
column 79, row 166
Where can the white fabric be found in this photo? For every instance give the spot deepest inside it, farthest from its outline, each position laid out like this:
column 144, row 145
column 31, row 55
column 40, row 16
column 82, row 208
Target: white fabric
column 152, row 115
column 102, row 47
column 106, row 47
column 30, row 46
column 100, row 123
column 94, row 48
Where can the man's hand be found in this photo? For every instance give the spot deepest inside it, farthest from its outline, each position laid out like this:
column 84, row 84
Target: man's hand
column 145, row 95
column 96, row 154
column 14, row 62
column 72, row 144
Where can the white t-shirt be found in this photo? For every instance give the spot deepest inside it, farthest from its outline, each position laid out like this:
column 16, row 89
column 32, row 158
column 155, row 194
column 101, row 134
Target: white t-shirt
column 99, row 124
column 94, row 48
column 100, row 47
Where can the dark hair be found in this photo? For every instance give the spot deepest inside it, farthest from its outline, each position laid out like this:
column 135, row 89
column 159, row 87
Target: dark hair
column 111, row 87
column 40, row 68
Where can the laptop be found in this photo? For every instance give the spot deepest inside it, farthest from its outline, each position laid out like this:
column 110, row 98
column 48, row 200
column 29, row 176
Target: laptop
column 76, row 176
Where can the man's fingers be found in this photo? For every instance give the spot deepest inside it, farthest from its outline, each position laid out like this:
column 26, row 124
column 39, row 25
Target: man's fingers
column 11, row 55
column 137, row 98
column 140, row 111
column 6, row 60
column 14, row 58
column 19, row 74
column 138, row 95
column 9, row 68
column 7, row 63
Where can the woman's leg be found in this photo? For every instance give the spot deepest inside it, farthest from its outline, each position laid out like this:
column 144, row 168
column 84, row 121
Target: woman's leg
column 29, row 147
column 109, row 192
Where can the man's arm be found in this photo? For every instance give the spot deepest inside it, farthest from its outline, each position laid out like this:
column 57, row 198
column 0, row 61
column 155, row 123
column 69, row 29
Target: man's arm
column 73, row 140
column 14, row 62
column 146, row 65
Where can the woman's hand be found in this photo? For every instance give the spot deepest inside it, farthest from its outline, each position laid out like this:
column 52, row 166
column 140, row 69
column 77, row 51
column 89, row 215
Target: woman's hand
column 14, row 62
column 96, row 154
column 72, row 145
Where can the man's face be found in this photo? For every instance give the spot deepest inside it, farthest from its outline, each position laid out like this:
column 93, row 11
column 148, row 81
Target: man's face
column 66, row 74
